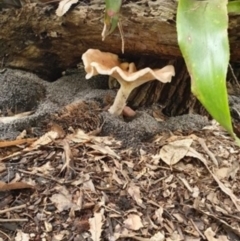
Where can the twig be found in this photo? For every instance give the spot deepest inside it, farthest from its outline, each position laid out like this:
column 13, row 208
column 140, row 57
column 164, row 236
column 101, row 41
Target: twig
column 12, row 208
column 233, row 74
column 43, row 176
column 122, row 35
column 2, row 220
column 211, row 155
column 5, row 234
column 111, row 209
column 197, row 229
column 16, row 142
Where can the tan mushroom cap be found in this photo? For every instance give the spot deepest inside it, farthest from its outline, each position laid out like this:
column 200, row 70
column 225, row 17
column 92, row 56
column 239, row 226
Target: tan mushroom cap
column 97, row 62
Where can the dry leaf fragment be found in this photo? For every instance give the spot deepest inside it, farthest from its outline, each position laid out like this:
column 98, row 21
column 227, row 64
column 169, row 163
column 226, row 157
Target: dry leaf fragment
column 133, row 222
column 2, row 167
column 21, row 236
column 44, row 169
column 158, row 214
column 210, row 236
column 67, row 158
column 158, row 237
column 174, row 237
column 96, row 224
column 88, row 185
column 115, row 177
column 22, row 135
column 222, row 172
column 48, row 226
column 64, row 6
column 45, row 139
column 60, row 236
column 14, row 186
column 63, row 200
column 105, row 150
column 134, row 192
column 173, row 152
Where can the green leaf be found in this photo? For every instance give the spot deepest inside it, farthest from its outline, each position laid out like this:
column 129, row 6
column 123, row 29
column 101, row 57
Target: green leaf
column 111, row 16
column 234, row 7
column 203, row 40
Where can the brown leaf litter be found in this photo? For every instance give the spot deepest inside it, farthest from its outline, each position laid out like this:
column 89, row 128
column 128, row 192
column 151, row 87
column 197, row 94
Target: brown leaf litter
column 71, row 184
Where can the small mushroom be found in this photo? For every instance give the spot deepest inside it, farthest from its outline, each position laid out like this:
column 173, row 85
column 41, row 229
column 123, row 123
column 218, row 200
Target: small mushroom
column 97, row 62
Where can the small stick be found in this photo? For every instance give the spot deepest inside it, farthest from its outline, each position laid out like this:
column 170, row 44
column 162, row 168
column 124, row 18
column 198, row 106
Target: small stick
column 41, row 175
column 233, row 74
column 122, row 35
column 16, row 142
column 5, row 234
column 2, row 220
column 12, row 208
column 197, row 229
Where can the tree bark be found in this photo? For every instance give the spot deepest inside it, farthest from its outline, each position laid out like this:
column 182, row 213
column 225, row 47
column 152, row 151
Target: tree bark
column 33, row 38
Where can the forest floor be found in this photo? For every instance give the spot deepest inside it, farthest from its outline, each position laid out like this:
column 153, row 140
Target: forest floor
column 71, row 171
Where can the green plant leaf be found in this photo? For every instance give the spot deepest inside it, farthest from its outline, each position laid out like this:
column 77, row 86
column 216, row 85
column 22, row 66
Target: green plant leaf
column 111, row 16
column 234, row 6
column 203, row 40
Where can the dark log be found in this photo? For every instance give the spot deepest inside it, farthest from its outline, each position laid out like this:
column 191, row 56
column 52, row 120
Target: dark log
column 33, row 38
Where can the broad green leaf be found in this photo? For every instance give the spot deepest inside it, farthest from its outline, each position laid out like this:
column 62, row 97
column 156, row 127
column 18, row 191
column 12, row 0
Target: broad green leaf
column 111, row 16
column 234, row 7
column 203, row 40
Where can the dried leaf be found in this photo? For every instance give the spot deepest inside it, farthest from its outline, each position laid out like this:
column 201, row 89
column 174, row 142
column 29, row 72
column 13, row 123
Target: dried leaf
column 134, row 192
column 64, row 6
column 84, row 178
column 133, row 222
column 2, row 167
column 96, row 224
column 174, row 237
column 63, row 200
column 88, row 185
column 222, row 172
column 45, row 139
column 173, row 152
column 158, row 237
column 210, row 235
column 68, row 156
column 60, row 236
column 48, row 226
column 79, row 137
column 105, row 150
column 44, row 169
column 21, row 236
column 159, row 213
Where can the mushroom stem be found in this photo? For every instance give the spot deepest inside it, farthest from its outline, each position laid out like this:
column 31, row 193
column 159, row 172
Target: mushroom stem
column 121, row 98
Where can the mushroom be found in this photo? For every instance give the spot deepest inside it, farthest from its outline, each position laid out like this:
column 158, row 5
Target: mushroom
column 97, row 62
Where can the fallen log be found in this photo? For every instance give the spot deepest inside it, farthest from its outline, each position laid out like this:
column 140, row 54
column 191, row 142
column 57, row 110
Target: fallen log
column 33, row 38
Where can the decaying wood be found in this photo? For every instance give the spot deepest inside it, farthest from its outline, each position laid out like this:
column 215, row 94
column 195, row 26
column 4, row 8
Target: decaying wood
column 35, row 39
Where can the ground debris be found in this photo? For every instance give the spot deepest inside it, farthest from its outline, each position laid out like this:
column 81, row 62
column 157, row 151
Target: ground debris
column 176, row 186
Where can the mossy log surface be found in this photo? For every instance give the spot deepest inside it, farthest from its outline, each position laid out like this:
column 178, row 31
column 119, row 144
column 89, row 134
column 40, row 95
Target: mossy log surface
column 33, row 38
